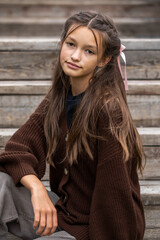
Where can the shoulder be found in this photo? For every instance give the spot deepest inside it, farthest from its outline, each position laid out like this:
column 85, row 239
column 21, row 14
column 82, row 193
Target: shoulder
column 109, row 110
column 43, row 106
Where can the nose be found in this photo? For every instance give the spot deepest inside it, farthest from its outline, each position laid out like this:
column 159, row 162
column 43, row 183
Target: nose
column 76, row 55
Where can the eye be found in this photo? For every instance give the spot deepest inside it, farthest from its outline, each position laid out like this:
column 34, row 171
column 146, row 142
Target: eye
column 89, row 51
column 70, row 44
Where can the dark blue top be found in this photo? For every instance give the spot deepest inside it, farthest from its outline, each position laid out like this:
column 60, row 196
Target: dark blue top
column 71, row 104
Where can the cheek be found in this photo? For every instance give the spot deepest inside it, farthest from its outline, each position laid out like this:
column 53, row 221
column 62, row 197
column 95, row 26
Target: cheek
column 63, row 53
column 92, row 64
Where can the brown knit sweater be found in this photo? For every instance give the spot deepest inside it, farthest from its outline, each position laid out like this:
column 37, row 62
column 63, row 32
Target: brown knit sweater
column 99, row 199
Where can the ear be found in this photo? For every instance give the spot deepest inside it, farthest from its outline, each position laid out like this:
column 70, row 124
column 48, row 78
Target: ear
column 104, row 62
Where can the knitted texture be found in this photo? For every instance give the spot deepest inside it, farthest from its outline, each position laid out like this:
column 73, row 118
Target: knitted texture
column 99, row 199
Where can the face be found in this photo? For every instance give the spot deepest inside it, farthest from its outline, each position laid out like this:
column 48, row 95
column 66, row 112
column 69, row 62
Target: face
column 79, row 55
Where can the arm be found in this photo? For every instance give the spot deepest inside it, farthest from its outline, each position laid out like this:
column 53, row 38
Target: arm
column 112, row 213
column 25, row 151
column 24, row 160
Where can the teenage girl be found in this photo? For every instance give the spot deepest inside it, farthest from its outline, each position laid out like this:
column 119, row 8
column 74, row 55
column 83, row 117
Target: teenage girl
column 84, row 130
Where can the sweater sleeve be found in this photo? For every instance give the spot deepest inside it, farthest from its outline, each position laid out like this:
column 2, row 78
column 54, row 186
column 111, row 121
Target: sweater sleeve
column 112, row 213
column 25, row 151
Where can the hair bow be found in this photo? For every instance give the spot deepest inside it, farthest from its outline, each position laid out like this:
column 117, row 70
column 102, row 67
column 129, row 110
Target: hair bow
column 119, row 65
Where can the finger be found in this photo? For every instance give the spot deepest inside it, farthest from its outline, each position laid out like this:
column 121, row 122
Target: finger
column 49, row 223
column 36, row 219
column 55, row 222
column 42, row 223
column 55, row 219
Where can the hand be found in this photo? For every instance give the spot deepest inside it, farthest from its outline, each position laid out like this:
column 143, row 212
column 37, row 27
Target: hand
column 45, row 214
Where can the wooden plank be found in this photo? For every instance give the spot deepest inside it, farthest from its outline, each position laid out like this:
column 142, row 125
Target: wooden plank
column 141, row 44
column 73, row 2
column 25, row 87
column 152, row 216
column 27, row 65
column 151, row 171
column 34, row 44
column 51, row 43
column 14, row 115
column 42, row 87
column 152, row 234
column 150, row 137
column 150, row 195
column 15, row 109
column 39, row 65
column 150, row 192
column 67, row 8
column 143, row 87
column 128, row 27
column 145, row 109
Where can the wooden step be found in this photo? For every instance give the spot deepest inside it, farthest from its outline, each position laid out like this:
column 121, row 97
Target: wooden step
column 15, row 109
column 151, row 143
column 73, row 2
column 149, row 136
column 34, row 58
column 40, row 87
column 150, row 193
column 128, row 27
column 123, row 8
column 24, row 96
column 51, row 44
column 151, row 171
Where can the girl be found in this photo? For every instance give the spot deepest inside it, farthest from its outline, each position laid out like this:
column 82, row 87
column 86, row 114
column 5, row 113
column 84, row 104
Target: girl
column 84, row 129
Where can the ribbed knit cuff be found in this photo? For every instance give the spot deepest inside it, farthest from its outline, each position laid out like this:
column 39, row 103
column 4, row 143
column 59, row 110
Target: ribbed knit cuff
column 20, row 171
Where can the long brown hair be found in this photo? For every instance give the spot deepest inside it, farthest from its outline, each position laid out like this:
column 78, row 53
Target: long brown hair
column 106, row 80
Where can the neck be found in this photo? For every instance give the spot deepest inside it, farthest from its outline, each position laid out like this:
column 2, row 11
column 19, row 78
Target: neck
column 78, row 86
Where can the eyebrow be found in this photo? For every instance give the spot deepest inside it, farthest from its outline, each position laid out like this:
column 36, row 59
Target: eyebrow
column 90, row 46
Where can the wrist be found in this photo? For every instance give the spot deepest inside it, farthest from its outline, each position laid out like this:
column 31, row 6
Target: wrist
column 32, row 183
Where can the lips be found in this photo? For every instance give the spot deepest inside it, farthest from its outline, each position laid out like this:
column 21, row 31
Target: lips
column 72, row 65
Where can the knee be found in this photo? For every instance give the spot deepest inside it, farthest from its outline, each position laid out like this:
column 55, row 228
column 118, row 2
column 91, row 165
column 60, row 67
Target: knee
column 5, row 179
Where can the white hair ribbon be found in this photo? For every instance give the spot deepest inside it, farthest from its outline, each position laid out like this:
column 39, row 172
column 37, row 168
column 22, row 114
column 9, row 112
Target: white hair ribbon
column 119, row 65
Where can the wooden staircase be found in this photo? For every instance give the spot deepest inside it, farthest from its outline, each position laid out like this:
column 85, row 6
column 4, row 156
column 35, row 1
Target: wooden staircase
column 138, row 18
column 29, row 36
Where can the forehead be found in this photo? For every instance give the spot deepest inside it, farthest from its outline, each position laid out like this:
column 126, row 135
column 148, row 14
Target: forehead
column 84, row 35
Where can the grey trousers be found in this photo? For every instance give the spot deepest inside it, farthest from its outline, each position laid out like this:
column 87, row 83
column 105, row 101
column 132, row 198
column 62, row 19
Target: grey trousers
column 16, row 212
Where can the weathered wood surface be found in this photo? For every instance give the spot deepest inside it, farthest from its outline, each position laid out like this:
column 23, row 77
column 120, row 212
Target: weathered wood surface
column 145, row 109
column 52, row 43
column 150, row 193
column 151, row 170
column 150, row 234
column 39, row 64
column 149, row 87
column 73, row 2
column 27, row 65
column 15, row 109
column 149, row 190
column 67, row 8
column 128, row 27
column 150, row 136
